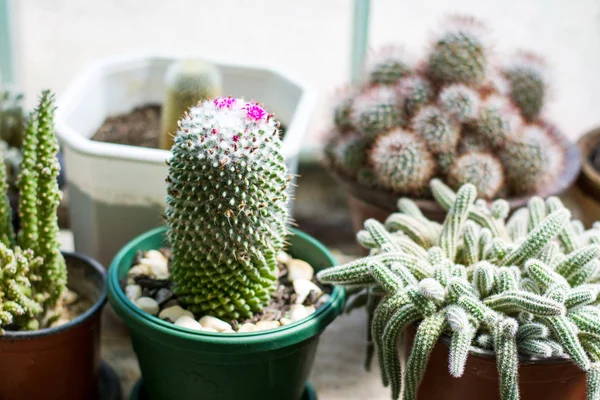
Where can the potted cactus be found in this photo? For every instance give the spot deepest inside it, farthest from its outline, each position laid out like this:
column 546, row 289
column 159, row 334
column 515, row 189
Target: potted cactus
column 109, row 208
column 455, row 115
column 50, row 302
column 482, row 290
column 586, row 191
column 213, row 305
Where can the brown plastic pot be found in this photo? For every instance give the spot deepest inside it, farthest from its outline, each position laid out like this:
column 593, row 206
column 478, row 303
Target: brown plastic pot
column 367, row 203
column 547, row 379
column 62, row 362
column 586, row 191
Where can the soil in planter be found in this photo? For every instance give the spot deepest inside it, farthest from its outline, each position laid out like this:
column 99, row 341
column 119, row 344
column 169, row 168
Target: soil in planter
column 283, row 299
column 140, row 127
column 71, row 305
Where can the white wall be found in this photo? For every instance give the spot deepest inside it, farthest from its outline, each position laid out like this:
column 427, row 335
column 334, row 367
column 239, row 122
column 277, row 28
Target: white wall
column 311, row 38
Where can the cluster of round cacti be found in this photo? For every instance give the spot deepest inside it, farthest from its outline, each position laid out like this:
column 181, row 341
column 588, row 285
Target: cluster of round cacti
column 454, row 115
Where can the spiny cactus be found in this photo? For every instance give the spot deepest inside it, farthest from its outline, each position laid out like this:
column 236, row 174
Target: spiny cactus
column 526, row 76
column 481, row 169
column 415, row 92
column 349, row 152
column 187, row 83
column 526, row 164
column 401, row 161
column 376, row 111
column 388, row 65
column 459, row 54
column 33, row 273
column 498, row 121
column 228, row 170
column 457, row 102
column 440, row 132
column 520, row 285
column 460, row 102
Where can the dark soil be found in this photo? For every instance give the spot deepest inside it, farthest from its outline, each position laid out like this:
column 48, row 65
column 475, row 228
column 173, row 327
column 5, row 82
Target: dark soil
column 140, row 127
column 282, row 298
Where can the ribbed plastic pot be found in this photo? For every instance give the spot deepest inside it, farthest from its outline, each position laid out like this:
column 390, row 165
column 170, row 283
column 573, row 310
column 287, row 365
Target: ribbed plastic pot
column 180, row 364
column 549, row 379
column 61, row 362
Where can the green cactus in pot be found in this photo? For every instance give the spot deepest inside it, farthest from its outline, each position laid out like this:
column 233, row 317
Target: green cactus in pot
column 33, row 273
column 525, row 285
column 226, row 207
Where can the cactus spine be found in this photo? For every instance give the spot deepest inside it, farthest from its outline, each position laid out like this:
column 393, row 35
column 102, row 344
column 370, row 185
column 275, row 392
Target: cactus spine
column 187, row 83
column 520, row 295
column 224, row 262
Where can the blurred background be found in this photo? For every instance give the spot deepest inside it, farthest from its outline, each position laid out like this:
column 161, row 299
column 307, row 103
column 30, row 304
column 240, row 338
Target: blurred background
column 54, row 40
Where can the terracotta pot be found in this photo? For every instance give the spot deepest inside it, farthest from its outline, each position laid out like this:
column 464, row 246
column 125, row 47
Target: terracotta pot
column 586, row 191
column 61, row 362
column 548, row 379
column 367, row 203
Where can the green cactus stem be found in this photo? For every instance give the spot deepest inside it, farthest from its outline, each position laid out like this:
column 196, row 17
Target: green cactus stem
column 187, row 83
column 224, row 258
column 483, row 170
column 388, row 65
column 526, row 76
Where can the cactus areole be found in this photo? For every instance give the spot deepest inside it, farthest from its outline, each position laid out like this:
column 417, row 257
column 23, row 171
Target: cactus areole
column 226, row 207
column 525, row 285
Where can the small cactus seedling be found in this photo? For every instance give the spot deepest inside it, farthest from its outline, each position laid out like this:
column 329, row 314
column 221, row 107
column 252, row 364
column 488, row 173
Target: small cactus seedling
column 483, row 170
column 187, row 83
column 226, row 207
column 458, row 54
column 460, row 102
column 33, row 273
column 388, row 65
column 498, row 121
column 520, row 286
column 401, row 161
column 526, row 77
column 415, row 92
column 527, row 164
column 438, row 129
column 376, row 111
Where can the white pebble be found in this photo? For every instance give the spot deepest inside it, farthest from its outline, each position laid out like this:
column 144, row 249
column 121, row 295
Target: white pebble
column 147, row 304
column 283, row 257
column 297, row 312
column 264, row 325
column 188, row 322
column 310, row 309
column 70, row 297
column 285, row 321
column 158, row 268
column 209, row 329
column 298, row 269
column 155, row 255
column 303, row 287
column 174, row 313
column 133, row 292
column 209, row 321
column 247, row 327
column 139, row 270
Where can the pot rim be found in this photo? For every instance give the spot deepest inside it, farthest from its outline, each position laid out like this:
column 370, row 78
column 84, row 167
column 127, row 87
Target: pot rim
column 589, row 178
column 282, row 336
column 387, row 200
column 95, row 265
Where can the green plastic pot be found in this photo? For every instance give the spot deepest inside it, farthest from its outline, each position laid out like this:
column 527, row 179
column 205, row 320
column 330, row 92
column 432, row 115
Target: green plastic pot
column 178, row 363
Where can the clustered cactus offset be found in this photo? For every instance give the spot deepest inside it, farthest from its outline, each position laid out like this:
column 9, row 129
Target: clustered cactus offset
column 226, row 207
column 527, row 285
column 187, row 83
column 12, row 130
column 457, row 102
column 33, row 274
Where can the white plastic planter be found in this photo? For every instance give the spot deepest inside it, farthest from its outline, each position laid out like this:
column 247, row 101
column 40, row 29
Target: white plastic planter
column 116, row 191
